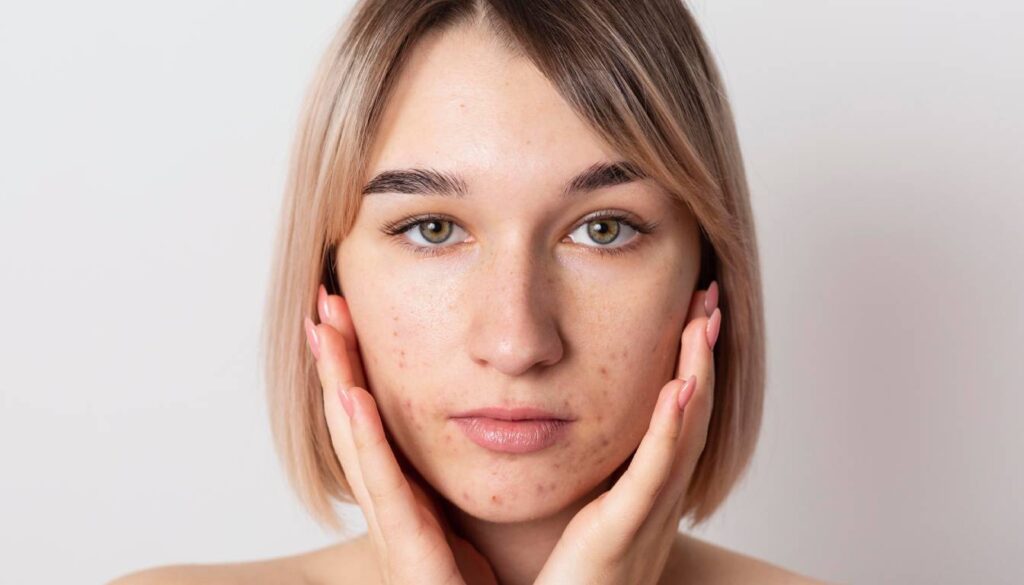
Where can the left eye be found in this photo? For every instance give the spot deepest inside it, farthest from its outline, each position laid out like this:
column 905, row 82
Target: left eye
column 604, row 231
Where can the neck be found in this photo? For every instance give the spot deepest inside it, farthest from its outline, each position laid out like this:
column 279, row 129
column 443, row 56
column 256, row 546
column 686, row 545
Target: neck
column 518, row 550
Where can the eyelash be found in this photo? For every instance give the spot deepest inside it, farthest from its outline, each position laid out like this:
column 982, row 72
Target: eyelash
column 396, row 228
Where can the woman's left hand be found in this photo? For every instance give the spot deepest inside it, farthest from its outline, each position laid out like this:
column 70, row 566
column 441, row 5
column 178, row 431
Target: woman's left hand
column 626, row 534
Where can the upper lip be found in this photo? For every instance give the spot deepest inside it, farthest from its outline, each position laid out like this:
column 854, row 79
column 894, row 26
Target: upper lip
column 506, row 413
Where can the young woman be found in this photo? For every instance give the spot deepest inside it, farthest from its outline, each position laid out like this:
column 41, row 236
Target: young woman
column 523, row 231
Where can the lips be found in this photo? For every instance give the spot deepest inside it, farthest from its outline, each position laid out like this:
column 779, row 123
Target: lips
column 512, row 430
column 517, row 413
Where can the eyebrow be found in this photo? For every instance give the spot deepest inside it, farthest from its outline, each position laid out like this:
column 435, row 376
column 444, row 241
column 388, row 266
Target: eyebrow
column 433, row 182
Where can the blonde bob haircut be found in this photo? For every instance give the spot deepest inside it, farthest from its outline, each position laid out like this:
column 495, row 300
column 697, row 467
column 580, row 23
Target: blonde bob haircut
column 642, row 75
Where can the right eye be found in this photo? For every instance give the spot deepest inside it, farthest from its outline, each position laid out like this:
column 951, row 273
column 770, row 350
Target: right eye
column 423, row 234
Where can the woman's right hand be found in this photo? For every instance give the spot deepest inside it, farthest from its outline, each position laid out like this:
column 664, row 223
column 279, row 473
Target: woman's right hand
column 412, row 540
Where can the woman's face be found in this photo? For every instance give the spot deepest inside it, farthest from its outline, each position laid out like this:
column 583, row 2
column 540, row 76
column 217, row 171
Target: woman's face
column 522, row 304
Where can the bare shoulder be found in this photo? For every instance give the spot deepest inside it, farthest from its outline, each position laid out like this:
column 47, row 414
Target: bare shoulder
column 700, row 561
column 344, row 562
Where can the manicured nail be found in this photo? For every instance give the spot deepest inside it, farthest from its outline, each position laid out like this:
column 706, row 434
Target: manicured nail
column 714, row 325
column 711, row 299
column 322, row 305
column 312, row 339
column 346, row 399
column 687, row 391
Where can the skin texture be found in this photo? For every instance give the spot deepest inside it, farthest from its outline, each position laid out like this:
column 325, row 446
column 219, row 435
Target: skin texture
column 519, row 307
column 511, row 311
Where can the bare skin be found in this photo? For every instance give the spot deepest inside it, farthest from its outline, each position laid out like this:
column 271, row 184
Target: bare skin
column 692, row 561
column 517, row 306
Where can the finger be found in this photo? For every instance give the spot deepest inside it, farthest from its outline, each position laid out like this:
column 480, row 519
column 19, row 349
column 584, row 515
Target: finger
column 334, row 370
column 379, row 485
column 394, row 502
column 695, row 310
column 629, row 502
column 333, row 310
column 648, row 488
column 696, row 360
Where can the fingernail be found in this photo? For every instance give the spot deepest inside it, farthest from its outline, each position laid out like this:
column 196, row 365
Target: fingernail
column 714, row 325
column 346, row 399
column 323, row 306
column 711, row 299
column 312, row 339
column 687, row 391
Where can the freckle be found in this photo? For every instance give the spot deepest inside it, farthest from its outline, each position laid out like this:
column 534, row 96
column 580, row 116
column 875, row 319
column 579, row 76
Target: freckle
column 599, row 418
column 604, row 441
column 394, row 334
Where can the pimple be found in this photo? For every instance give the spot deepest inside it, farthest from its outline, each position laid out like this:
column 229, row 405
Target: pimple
column 604, row 372
column 496, row 498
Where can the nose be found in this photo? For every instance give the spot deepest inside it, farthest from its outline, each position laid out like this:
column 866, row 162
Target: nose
column 514, row 323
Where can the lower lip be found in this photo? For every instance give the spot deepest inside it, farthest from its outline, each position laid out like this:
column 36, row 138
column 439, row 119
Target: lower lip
column 512, row 436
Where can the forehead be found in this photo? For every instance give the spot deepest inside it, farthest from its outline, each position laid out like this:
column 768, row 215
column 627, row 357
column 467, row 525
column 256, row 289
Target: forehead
column 463, row 102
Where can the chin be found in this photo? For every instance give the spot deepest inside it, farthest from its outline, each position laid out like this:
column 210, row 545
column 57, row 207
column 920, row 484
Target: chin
column 522, row 497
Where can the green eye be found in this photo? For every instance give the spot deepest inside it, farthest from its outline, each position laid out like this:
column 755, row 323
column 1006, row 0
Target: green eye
column 435, row 231
column 603, row 231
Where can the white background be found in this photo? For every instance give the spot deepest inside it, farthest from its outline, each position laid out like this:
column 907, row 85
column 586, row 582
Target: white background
column 143, row 149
